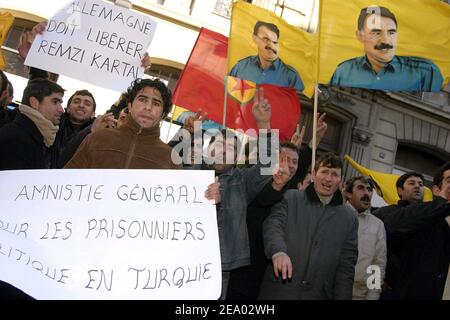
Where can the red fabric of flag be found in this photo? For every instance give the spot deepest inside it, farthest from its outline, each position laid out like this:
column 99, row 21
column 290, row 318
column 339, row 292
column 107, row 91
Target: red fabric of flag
column 285, row 111
column 201, row 86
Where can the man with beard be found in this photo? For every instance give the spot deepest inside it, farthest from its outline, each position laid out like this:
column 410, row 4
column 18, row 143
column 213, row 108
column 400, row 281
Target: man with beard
column 380, row 68
column 371, row 240
column 267, row 67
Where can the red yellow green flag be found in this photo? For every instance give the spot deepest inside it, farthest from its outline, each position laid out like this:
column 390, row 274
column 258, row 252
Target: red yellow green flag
column 201, row 86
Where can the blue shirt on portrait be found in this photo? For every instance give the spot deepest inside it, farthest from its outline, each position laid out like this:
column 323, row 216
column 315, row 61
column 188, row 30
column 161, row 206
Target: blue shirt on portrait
column 400, row 74
column 278, row 73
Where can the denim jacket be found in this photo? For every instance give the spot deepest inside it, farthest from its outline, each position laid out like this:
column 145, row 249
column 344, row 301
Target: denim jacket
column 238, row 188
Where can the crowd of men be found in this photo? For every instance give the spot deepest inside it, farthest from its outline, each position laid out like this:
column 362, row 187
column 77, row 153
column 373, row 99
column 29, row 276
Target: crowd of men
column 300, row 233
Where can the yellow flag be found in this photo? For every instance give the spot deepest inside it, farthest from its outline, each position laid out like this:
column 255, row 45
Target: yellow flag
column 384, row 183
column 293, row 51
column 6, row 20
column 421, row 41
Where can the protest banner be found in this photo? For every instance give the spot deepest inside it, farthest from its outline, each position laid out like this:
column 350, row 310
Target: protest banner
column 95, row 42
column 109, row 234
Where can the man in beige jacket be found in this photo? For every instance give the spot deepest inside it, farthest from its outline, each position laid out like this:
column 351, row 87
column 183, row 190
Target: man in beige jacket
column 371, row 265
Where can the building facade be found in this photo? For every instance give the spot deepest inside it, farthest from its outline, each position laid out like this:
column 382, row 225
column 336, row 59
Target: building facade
column 388, row 132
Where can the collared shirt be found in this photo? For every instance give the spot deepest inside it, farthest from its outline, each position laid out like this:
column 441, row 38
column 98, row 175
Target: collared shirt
column 278, row 73
column 324, row 200
column 400, row 74
column 371, row 252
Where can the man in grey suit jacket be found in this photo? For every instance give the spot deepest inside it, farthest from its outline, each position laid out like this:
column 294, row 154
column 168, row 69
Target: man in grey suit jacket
column 311, row 238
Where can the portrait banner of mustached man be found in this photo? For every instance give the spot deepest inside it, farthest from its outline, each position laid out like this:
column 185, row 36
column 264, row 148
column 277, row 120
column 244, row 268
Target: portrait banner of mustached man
column 265, row 49
column 400, row 45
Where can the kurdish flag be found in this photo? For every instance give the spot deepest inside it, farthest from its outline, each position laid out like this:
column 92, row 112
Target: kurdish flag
column 203, row 85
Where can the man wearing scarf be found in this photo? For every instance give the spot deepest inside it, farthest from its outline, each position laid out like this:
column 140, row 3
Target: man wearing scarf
column 24, row 142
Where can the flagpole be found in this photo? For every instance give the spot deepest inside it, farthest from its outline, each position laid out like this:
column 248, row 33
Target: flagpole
column 316, row 94
column 226, row 75
column 225, row 100
column 314, row 137
column 170, row 124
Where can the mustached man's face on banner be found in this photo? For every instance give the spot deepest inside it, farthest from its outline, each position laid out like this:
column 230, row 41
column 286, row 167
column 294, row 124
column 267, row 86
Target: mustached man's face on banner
column 267, row 43
column 379, row 38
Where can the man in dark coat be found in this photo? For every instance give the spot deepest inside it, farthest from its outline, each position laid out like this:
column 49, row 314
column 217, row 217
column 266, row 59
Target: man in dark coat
column 25, row 141
column 311, row 238
column 80, row 114
column 245, row 281
column 418, row 242
column 238, row 187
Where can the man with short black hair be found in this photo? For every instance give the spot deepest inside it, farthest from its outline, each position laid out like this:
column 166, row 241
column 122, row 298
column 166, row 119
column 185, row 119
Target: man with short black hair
column 239, row 187
column 371, row 240
column 311, row 237
column 79, row 114
column 410, row 187
column 417, row 241
column 25, row 142
column 135, row 144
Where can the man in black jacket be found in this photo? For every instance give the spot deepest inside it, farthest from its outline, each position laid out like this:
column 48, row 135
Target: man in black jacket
column 80, row 114
column 245, row 282
column 25, row 141
column 311, row 237
column 418, row 242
